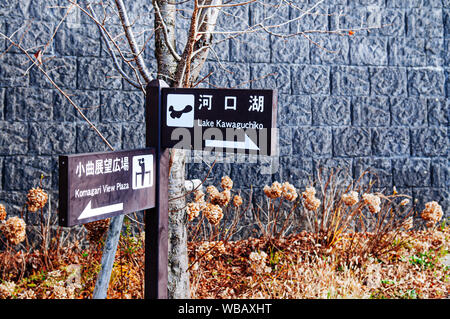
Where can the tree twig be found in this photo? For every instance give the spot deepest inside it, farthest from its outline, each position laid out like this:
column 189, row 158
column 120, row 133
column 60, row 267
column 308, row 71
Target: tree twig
column 123, row 16
column 35, row 62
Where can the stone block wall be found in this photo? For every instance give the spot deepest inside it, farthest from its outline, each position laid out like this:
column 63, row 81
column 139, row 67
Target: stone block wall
column 375, row 99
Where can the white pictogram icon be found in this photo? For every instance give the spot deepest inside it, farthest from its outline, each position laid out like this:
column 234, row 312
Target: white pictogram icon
column 180, row 110
column 142, row 171
column 256, row 103
column 230, row 103
column 205, row 102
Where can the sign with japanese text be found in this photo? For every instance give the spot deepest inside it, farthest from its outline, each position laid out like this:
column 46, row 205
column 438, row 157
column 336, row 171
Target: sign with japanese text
column 101, row 185
column 229, row 120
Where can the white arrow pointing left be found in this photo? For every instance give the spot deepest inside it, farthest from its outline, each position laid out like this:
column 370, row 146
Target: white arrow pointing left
column 88, row 211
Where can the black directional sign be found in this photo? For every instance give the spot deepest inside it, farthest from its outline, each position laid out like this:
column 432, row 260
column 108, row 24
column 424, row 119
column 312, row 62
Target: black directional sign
column 230, row 120
column 101, row 185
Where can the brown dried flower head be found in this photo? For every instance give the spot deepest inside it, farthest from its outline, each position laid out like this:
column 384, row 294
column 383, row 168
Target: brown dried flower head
column 2, row 212
column 226, row 183
column 212, row 190
column 7, row 289
column 199, row 196
column 309, row 192
column 213, row 213
column 14, row 230
column 27, row 294
column 96, row 229
column 37, row 199
column 289, row 192
column 430, row 224
column 273, row 191
column 309, row 199
column 351, row 198
column 257, row 262
column 432, row 213
column 193, row 211
column 237, row 201
column 312, row 203
column 209, row 249
column 222, row 198
column 373, row 202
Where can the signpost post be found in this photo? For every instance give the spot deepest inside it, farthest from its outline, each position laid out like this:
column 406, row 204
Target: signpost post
column 157, row 218
column 101, row 185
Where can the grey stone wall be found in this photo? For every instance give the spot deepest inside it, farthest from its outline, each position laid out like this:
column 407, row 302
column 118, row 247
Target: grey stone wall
column 377, row 98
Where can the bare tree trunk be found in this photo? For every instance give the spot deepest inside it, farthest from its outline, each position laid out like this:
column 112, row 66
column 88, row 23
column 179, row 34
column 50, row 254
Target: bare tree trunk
column 165, row 39
column 178, row 277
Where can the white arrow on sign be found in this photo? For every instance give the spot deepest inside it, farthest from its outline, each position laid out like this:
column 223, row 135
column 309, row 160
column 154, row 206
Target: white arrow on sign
column 247, row 144
column 88, row 211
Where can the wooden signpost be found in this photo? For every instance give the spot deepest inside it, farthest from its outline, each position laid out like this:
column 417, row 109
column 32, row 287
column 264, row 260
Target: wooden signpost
column 101, row 185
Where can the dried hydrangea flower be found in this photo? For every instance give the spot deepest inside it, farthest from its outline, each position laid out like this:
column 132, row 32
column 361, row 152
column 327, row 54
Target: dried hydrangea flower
column 309, row 192
column 351, row 198
column 210, row 248
column 373, row 202
column 226, row 183
column 204, row 250
column 312, row 203
column 212, row 190
column 258, row 262
column 193, row 211
column 273, row 191
column 289, row 192
column 37, row 199
column 219, row 247
column 237, row 201
column 96, row 229
column 2, row 212
column 277, row 189
column 27, row 294
column 7, row 289
column 430, row 224
column 432, row 213
column 213, row 213
column 14, row 230
column 199, row 196
column 268, row 191
column 222, row 198
column 309, row 199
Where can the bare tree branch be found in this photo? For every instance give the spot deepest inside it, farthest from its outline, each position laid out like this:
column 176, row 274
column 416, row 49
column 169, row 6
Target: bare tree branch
column 165, row 32
column 204, row 19
column 227, row 5
column 132, row 41
column 107, row 38
column 38, row 65
column 104, row 35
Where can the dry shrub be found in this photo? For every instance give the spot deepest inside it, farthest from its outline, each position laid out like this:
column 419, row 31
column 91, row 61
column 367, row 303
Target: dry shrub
column 275, row 217
column 299, row 268
column 215, row 216
column 337, row 207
